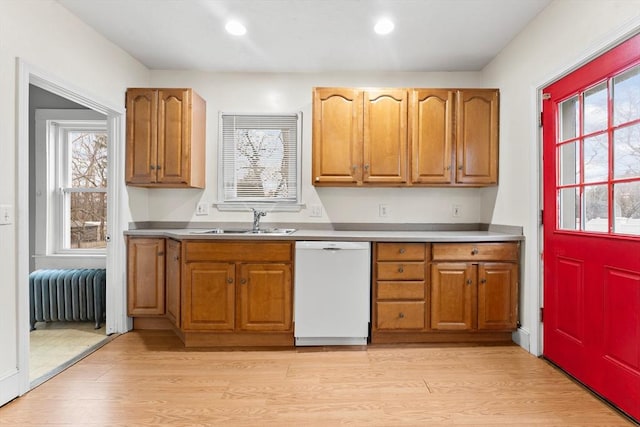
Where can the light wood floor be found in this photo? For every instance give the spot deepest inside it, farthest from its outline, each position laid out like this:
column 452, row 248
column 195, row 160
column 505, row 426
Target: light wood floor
column 148, row 378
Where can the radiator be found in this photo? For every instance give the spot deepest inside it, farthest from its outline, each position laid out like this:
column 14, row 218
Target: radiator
column 76, row 295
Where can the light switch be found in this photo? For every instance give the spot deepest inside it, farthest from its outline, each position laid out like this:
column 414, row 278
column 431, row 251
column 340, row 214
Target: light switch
column 6, row 214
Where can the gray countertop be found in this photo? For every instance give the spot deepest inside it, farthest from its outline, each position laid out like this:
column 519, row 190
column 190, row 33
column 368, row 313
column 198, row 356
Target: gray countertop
column 339, row 235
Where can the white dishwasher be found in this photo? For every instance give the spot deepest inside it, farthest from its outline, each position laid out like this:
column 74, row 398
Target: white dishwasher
column 332, row 293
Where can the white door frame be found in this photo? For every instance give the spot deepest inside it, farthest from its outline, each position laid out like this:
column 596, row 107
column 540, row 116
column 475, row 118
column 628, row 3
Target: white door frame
column 116, row 321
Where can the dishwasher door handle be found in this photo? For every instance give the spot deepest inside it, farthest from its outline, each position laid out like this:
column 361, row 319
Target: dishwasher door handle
column 331, row 249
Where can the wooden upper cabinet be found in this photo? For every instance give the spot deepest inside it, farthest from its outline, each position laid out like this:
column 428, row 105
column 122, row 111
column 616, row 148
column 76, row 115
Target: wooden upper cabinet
column 385, row 136
column 477, row 136
column 165, row 138
column 431, row 115
column 359, row 136
column 337, row 135
column 405, row 137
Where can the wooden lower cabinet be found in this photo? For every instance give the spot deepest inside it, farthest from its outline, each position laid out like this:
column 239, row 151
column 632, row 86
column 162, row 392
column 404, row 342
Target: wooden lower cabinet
column 209, row 296
column 237, row 294
column 145, row 277
column 173, row 273
column 468, row 293
column 452, row 296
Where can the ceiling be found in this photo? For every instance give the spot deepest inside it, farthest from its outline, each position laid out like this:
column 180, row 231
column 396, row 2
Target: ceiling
column 309, row 35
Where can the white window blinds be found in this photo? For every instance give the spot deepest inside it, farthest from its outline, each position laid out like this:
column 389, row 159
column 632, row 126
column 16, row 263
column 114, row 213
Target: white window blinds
column 259, row 158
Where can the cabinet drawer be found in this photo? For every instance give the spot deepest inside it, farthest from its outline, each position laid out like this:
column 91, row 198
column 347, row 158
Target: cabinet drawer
column 238, row 251
column 401, row 251
column 400, row 270
column 475, row 251
column 400, row 315
column 400, row 290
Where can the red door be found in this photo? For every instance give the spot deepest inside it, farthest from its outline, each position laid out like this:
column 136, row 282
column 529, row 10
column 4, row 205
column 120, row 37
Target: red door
column 591, row 156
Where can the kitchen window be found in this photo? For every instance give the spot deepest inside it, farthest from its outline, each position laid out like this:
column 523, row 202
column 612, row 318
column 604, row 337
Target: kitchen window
column 259, row 161
column 71, row 193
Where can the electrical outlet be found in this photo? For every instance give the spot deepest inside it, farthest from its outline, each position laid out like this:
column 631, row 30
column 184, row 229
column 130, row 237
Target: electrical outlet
column 202, row 208
column 6, row 214
column 456, row 211
column 316, row 211
column 383, row 211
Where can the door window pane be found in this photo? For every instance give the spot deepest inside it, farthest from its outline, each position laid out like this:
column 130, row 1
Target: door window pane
column 626, row 152
column 569, row 158
column 569, row 119
column 569, row 203
column 596, row 158
column 595, row 109
column 627, row 208
column 626, row 96
column 596, row 209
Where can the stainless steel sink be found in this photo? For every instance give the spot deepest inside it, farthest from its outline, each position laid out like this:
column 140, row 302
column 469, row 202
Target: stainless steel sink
column 268, row 231
column 282, row 231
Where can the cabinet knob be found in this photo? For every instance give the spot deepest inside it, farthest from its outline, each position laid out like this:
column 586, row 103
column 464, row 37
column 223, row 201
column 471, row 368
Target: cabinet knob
column 177, row 258
column 402, row 250
column 469, row 282
column 366, row 167
column 474, row 251
column 354, row 167
column 448, row 168
column 317, row 178
column 158, row 167
column 243, row 281
column 229, row 280
column 401, row 269
column 483, row 280
column 460, row 167
column 152, row 167
column 401, row 315
column 160, row 253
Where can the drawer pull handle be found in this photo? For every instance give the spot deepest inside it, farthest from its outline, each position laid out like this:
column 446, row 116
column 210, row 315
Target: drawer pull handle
column 469, row 282
column 401, row 269
column 401, row 315
column 474, row 251
column 229, row 280
column 401, row 250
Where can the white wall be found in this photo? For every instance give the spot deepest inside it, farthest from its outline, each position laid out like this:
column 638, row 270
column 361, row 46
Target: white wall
column 48, row 38
column 563, row 36
column 245, row 92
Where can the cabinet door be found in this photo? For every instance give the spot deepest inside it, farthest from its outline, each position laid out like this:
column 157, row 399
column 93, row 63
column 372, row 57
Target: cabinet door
column 497, row 296
column 174, row 130
column 385, row 136
column 477, row 136
column 337, row 136
column 142, row 128
column 173, row 281
column 145, row 277
column 265, row 302
column 208, row 296
column 452, row 296
column 431, row 124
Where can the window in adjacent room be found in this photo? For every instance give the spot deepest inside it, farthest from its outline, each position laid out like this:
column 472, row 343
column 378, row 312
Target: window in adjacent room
column 72, row 187
column 259, row 160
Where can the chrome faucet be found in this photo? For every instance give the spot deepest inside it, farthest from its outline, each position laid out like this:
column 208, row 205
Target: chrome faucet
column 256, row 219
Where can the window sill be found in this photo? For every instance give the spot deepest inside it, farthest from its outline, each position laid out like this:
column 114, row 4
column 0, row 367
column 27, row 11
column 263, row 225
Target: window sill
column 70, row 261
column 267, row 207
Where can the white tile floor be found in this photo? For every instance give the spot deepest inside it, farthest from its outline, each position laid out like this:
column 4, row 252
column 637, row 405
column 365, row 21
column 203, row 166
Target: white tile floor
column 54, row 344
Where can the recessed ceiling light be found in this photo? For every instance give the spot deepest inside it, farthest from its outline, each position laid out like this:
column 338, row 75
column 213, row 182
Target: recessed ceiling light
column 383, row 26
column 236, row 28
